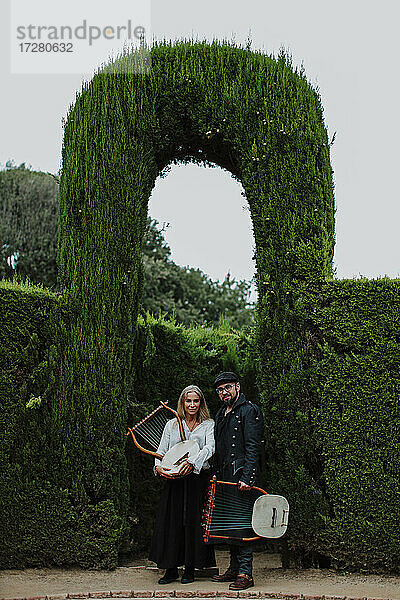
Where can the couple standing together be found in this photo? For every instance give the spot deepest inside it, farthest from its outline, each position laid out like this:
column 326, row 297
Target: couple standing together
column 234, row 440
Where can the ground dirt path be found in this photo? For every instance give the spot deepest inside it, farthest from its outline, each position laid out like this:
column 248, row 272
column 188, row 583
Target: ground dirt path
column 141, row 576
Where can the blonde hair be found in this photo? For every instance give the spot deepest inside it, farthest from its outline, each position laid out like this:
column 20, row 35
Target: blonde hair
column 203, row 413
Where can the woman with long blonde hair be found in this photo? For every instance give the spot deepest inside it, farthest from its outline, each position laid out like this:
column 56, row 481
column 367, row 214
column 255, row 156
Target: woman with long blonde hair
column 177, row 536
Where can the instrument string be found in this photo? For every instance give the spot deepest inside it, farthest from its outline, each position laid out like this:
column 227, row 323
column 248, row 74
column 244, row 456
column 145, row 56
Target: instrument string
column 148, row 428
column 147, row 439
column 230, row 515
column 231, row 521
column 236, row 514
column 161, row 421
column 232, row 509
column 152, row 416
column 151, row 428
column 155, row 423
column 229, row 527
column 150, row 431
column 154, row 434
column 229, row 512
column 234, row 503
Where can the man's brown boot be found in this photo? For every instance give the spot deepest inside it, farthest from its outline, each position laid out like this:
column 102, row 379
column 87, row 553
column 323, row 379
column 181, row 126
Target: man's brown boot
column 242, row 582
column 227, row 576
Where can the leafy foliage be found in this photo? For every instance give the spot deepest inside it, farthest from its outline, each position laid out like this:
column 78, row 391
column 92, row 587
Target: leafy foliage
column 344, row 434
column 28, row 224
column 187, row 293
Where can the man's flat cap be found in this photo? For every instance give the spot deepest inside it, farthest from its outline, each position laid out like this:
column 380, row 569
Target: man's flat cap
column 226, row 377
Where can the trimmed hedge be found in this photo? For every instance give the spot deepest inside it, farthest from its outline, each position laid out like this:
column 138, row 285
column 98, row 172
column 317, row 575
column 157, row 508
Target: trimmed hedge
column 333, row 432
column 356, row 379
column 251, row 114
column 42, row 522
column 46, row 520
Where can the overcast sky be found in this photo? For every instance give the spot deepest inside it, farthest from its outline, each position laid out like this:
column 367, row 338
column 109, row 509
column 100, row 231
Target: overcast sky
column 349, row 49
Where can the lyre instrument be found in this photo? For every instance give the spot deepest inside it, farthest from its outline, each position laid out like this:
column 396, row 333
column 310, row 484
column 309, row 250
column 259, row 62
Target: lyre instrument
column 147, row 435
column 231, row 514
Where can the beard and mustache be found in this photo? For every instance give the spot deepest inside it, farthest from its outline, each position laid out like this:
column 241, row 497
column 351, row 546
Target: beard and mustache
column 230, row 399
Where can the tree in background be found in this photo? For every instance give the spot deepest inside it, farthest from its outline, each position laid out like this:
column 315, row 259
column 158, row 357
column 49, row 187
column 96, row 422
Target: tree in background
column 188, row 293
column 28, row 224
column 28, row 244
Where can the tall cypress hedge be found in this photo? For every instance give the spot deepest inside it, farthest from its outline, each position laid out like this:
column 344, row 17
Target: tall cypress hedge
column 42, row 522
column 355, row 377
column 251, row 114
column 333, row 440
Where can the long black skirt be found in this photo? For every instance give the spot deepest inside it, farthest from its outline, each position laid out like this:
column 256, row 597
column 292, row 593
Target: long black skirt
column 177, row 536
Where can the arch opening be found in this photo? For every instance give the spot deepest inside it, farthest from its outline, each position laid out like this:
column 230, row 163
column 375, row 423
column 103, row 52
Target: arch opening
column 207, row 226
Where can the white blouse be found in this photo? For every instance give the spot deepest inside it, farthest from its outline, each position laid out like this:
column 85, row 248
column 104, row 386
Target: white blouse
column 203, row 434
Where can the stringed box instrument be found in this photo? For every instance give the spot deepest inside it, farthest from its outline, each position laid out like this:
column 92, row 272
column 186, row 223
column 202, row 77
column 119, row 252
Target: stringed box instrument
column 231, row 514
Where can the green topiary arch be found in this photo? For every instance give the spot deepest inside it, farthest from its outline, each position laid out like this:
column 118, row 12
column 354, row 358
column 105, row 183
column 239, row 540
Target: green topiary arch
column 208, row 103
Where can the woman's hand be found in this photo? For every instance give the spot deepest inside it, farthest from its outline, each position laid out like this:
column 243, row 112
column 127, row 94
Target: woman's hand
column 185, row 469
column 162, row 470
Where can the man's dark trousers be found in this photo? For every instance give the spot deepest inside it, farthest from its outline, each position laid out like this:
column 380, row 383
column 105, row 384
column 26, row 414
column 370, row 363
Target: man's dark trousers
column 241, row 558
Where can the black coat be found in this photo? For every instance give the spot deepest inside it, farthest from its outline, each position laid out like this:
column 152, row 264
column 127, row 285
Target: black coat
column 238, row 439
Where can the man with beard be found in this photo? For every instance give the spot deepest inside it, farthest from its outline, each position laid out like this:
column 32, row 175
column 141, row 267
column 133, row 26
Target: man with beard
column 238, row 433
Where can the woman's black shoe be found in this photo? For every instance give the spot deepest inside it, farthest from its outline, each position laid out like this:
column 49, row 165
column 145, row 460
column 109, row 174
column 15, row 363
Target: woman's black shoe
column 188, row 575
column 169, row 576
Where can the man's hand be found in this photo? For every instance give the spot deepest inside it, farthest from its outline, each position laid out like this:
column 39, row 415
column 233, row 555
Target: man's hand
column 243, row 487
column 185, row 469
